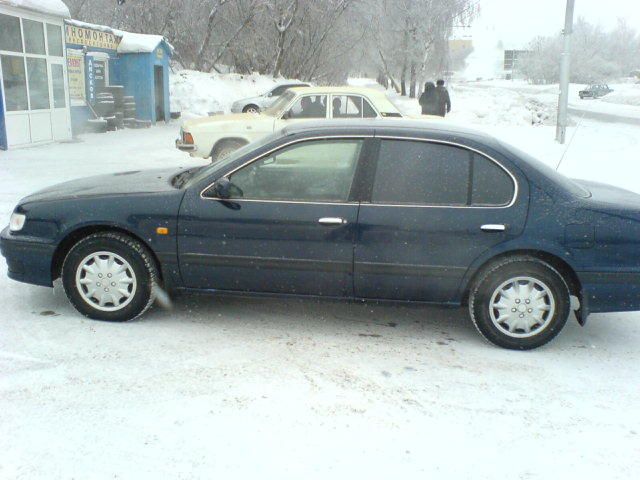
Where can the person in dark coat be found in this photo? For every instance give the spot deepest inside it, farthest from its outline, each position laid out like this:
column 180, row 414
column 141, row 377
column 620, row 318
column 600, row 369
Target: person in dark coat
column 444, row 101
column 429, row 100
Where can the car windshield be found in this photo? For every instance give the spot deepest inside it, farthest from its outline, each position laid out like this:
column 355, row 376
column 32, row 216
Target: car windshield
column 206, row 171
column 279, row 105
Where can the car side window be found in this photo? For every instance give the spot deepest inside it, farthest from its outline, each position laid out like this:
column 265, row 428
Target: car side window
column 492, row 186
column 423, row 173
column 351, row 106
column 313, row 171
column 276, row 92
column 309, row 106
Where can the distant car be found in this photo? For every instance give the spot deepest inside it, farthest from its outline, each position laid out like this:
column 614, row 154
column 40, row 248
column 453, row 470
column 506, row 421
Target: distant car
column 369, row 210
column 218, row 136
column 259, row 103
column 596, row 90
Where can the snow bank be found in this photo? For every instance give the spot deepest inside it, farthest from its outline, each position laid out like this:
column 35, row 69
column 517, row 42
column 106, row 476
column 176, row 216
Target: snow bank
column 196, row 94
column 50, row 7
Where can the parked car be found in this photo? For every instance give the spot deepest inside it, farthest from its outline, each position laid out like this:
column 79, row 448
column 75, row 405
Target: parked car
column 595, row 91
column 219, row 136
column 259, row 103
column 397, row 210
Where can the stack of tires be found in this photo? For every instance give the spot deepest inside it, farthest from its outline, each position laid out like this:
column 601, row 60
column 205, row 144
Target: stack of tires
column 105, row 108
column 129, row 103
column 117, row 92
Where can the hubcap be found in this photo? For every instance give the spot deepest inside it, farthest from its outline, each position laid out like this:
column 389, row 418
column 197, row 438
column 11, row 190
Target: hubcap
column 106, row 281
column 252, row 110
column 522, row 307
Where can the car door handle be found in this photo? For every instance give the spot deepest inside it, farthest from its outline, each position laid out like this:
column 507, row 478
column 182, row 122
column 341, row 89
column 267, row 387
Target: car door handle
column 332, row 221
column 490, row 227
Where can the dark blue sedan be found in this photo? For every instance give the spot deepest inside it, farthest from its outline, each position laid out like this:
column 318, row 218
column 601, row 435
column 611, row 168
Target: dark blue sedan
column 378, row 210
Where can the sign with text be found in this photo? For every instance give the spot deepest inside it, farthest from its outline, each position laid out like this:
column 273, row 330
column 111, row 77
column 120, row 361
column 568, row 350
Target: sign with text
column 91, row 37
column 75, row 71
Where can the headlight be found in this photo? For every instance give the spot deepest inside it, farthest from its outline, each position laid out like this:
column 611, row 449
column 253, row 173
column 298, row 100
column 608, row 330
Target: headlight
column 17, row 222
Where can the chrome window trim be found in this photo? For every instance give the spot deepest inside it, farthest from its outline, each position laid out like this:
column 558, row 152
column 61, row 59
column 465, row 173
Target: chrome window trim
column 516, row 189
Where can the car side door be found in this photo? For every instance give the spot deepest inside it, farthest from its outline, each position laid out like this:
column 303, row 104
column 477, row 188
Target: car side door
column 433, row 208
column 286, row 223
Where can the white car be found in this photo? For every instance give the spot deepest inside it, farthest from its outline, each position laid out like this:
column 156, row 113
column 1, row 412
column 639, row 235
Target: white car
column 259, row 103
column 218, row 136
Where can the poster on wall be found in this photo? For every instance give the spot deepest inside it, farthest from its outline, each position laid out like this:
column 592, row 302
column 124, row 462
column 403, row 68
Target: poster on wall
column 75, row 70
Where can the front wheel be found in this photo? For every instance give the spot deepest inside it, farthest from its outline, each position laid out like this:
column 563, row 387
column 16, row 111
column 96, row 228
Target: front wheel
column 109, row 276
column 520, row 303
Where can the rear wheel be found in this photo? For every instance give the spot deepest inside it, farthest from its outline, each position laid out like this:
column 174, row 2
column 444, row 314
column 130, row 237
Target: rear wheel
column 520, row 303
column 109, row 276
column 251, row 109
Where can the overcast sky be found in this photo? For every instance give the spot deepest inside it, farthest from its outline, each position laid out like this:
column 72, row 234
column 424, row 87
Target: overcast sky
column 515, row 22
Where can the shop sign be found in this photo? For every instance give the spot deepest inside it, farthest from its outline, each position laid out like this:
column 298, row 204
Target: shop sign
column 91, row 37
column 75, row 72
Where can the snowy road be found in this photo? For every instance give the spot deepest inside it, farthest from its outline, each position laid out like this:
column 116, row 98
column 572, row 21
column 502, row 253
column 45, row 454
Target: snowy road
column 264, row 388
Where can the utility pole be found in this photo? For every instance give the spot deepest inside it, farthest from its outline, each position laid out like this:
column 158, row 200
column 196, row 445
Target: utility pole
column 565, row 66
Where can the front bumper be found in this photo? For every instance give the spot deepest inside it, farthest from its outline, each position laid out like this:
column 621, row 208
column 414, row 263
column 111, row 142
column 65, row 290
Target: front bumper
column 185, row 147
column 29, row 259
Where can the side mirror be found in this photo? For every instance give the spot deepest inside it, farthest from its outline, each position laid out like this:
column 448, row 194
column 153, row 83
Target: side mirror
column 222, row 188
column 225, row 189
column 270, row 94
column 286, row 115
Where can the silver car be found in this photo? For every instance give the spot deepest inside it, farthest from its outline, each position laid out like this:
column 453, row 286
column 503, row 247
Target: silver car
column 259, row 103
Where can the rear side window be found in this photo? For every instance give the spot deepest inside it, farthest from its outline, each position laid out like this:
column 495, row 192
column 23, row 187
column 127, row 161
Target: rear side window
column 491, row 184
column 423, row 173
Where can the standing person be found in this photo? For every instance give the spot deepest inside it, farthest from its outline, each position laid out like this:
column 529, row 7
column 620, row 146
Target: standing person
column 429, row 99
column 444, row 101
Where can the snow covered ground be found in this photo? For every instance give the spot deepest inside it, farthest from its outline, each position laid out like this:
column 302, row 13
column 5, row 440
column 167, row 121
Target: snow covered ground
column 289, row 389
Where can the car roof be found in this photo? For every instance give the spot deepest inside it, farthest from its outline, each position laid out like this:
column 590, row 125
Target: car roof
column 408, row 127
column 377, row 97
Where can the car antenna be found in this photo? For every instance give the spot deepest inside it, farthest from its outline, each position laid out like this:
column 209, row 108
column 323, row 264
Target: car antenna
column 570, row 142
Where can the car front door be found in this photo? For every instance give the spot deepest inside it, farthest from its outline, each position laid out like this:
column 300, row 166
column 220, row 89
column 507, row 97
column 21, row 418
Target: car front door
column 434, row 208
column 287, row 224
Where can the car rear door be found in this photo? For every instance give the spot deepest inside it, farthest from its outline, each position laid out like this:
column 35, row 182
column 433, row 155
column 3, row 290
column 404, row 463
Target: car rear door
column 288, row 228
column 433, row 208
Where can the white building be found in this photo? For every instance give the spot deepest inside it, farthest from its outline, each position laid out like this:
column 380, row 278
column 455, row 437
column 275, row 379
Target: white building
column 34, row 98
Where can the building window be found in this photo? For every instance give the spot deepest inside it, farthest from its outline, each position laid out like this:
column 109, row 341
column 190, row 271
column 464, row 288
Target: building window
column 10, row 36
column 38, row 83
column 54, row 40
column 57, row 80
column 15, row 83
column 33, row 37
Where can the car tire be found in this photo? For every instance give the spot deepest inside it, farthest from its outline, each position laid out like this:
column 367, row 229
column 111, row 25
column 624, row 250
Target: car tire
column 251, row 109
column 519, row 303
column 225, row 148
column 110, row 276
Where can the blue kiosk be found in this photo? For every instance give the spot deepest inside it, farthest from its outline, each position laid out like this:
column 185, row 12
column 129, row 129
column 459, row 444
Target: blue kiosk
column 102, row 59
